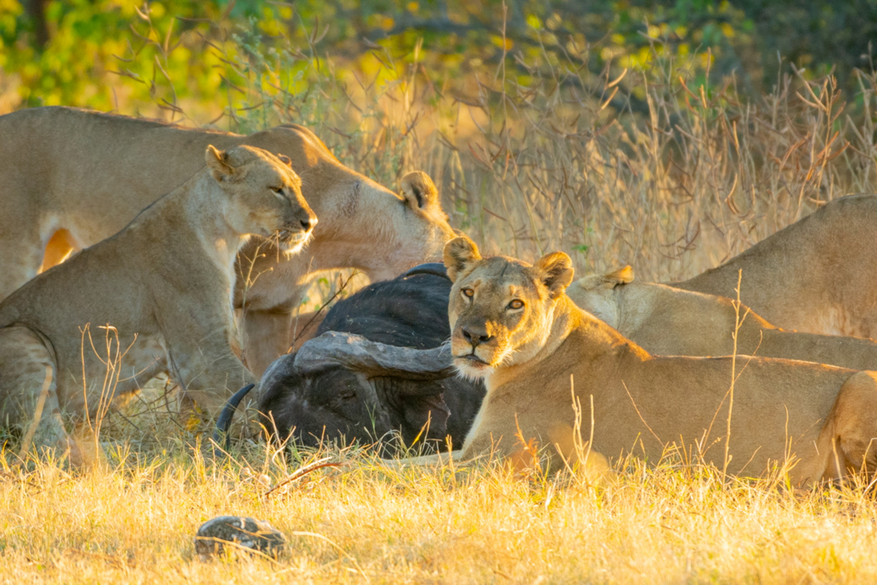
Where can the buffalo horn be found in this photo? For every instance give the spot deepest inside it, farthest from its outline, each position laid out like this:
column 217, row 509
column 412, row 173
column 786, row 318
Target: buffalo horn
column 220, row 433
column 334, row 348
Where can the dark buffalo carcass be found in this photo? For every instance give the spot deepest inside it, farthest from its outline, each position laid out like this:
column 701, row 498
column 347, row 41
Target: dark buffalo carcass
column 370, row 372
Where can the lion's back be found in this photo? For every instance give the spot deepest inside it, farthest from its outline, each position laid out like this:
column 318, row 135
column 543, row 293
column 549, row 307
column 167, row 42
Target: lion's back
column 815, row 275
column 92, row 172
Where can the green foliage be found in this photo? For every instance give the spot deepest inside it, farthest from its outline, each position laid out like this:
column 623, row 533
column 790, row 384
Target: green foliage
column 71, row 52
column 88, row 43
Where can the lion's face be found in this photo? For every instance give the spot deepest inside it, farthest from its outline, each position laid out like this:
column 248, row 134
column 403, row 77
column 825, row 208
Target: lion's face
column 404, row 230
column 399, row 230
column 264, row 196
column 500, row 308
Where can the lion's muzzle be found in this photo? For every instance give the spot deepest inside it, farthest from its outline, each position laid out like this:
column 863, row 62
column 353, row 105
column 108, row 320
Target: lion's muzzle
column 298, row 231
column 476, row 335
column 475, row 350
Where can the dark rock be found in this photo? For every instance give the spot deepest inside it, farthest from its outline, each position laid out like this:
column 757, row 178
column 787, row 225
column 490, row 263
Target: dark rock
column 239, row 533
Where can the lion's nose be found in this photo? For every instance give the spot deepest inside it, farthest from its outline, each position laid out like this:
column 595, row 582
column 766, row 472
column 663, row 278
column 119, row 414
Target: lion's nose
column 309, row 223
column 476, row 338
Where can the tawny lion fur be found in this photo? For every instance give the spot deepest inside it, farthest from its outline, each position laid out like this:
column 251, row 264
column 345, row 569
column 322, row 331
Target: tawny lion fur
column 817, row 275
column 154, row 297
column 513, row 326
column 84, row 175
column 665, row 320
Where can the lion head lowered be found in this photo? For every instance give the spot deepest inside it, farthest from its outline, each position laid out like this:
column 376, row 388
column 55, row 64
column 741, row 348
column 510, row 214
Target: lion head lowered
column 500, row 309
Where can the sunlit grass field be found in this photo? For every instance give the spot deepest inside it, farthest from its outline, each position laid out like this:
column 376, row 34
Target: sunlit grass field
column 133, row 520
column 526, row 165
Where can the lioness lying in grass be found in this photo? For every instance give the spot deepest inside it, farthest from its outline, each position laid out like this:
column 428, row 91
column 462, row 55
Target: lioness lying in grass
column 154, row 297
column 513, row 326
column 665, row 320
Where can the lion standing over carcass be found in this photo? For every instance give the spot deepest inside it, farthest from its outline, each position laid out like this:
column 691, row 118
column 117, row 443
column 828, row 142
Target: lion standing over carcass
column 154, row 297
column 513, row 326
column 817, row 275
column 89, row 174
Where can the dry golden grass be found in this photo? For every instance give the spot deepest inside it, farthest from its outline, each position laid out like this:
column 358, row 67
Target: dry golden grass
column 134, row 521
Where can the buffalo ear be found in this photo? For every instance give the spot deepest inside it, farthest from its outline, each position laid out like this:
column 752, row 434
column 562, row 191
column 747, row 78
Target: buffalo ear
column 620, row 276
column 426, row 414
column 419, row 190
column 458, row 255
column 555, row 271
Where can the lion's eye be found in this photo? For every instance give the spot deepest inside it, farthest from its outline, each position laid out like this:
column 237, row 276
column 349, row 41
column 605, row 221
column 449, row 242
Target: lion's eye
column 278, row 190
column 516, row 304
column 468, row 292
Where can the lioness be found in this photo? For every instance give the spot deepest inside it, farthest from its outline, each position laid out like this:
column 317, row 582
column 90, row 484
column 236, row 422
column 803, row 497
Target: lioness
column 513, row 326
column 88, row 174
column 153, row 297
column 814, row 276
column 668, row 321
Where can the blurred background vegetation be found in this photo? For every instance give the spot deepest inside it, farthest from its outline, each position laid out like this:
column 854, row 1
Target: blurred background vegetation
column 72, row 52
column 670, row 135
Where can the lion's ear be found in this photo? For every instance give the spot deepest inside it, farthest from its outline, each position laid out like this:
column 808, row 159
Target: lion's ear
column 555, row 271
column 458, row 254
column 219, row 163
column 606, row 281
column 419, row 190
column 620, row 276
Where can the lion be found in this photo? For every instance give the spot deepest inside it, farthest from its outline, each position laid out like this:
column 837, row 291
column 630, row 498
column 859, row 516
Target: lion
column 665, row 320
column 514, row 327
column 813, row 276
column 73, row 177
column 154, row 297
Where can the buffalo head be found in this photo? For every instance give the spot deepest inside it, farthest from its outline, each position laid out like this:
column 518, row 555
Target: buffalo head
column 343, row 387
column 379, row 372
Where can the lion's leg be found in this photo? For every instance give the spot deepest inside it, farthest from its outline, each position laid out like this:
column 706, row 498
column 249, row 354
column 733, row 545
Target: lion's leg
column 268, row 288
column 207, row 392
column 856, row 423
column 206, row 369
column 848, row 440
column 22, row 253
column 266, row 337
column 304, row 327
column 60, row 246
column 28, row 397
